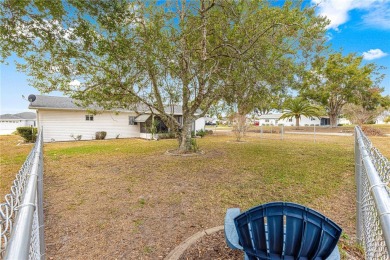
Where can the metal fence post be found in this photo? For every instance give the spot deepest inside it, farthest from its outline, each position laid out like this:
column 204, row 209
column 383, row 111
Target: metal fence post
column 261, row 131
column 282, row 131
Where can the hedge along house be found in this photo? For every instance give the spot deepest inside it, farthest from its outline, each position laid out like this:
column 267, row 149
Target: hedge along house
column 63, row 120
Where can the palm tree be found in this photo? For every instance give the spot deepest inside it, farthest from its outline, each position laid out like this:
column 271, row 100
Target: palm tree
column 298, row 107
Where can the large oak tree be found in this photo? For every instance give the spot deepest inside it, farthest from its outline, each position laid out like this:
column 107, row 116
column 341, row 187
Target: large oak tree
column 337, row 80
column 119, row 53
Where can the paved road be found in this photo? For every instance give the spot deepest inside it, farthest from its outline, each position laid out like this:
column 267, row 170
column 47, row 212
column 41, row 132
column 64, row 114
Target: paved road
column 320, row 133
column 297, row 133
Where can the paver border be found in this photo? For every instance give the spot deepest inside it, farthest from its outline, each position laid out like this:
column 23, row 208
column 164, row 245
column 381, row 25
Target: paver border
column 179, row 250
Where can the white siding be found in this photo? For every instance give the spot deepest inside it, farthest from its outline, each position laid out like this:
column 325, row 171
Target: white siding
column 274, row 120
column 200, row 124
column 59, row 125
column 8, row 126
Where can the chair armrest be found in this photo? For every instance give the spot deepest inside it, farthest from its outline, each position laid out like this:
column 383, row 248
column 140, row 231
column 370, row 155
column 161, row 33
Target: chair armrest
column 231, row 235
column 335, row 255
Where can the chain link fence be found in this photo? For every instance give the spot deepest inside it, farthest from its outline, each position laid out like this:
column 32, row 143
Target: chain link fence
column 372, row 171
column 21, row 215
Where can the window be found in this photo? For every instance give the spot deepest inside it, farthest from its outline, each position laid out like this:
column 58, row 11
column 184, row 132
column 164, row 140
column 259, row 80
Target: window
column 132, row 120
column 179, row 119
column 312, row 119
column 290, row 120
column 89, row 117
column 267, row 120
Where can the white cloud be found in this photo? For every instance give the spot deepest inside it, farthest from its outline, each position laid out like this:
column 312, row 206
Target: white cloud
column 378, row 17
column 75, row 83
column 374, row 54
column 378, row 11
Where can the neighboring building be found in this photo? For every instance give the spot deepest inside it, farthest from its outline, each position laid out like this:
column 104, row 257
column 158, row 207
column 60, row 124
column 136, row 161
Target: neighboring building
column 274, row 119
column 9, row 122
column 63, row 120
column 381, row 118
column 210, row 120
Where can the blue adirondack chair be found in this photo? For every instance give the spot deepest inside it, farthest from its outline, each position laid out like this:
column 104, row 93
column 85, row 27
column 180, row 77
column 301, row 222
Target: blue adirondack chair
column 282, row 230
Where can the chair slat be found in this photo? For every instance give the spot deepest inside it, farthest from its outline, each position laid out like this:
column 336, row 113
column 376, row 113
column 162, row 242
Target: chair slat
column 291, row 231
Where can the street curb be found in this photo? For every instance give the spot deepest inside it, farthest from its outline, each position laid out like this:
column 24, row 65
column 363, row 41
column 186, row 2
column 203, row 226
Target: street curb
column 179, row 250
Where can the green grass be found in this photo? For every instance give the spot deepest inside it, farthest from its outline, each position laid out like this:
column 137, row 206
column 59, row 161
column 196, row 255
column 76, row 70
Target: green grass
column 12, row 156
column 130, row 189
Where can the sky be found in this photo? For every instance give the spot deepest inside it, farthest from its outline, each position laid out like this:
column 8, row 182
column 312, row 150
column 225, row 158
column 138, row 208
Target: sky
column 358, row 26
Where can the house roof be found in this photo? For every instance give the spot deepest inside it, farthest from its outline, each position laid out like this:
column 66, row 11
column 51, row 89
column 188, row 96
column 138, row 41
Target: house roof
column 19, row 116
column 27, row 115
column 66, row 103
column 51, row 102
column 142, row 118
column 270, row 116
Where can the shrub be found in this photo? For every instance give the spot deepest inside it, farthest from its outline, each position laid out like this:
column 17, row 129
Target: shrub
column 29, row 134
column 170, row 135
column 194, row 145
column 209, row 132
column 370, row 131
column 100, row 135
column 200, row 133
column 77, row 138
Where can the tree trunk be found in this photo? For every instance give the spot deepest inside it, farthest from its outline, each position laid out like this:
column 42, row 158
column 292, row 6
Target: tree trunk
column 185, row 144
column 333, row 119
column 239, row 128
column 297, row 122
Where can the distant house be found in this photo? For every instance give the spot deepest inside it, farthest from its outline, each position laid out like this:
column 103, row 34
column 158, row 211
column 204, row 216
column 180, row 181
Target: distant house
column 274, row 119
column 381, row 118
column 9, row 122
column 63, row 120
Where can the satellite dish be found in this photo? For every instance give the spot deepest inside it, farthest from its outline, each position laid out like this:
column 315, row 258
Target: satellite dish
column 31, row 98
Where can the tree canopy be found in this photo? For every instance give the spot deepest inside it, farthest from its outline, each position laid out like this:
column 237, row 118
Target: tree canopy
column 120, row 53
column 336, row 80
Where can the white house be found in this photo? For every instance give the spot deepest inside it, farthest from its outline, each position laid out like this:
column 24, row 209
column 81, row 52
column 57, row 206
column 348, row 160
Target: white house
column 274, row 119
column 381, row 118
column 9, row 122
column 63, row 120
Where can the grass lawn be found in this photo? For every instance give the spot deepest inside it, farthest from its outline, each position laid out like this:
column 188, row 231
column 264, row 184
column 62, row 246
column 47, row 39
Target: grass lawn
column 12, row 157
column 127, row 199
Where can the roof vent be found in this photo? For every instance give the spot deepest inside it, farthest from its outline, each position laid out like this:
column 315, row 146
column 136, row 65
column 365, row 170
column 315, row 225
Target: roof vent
column 32, row 98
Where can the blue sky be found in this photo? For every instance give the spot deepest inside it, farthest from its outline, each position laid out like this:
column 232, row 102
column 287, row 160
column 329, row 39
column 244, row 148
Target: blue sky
column 359, row 26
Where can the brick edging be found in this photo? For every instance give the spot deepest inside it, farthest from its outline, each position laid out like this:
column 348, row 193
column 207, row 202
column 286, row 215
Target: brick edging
column 179, row 250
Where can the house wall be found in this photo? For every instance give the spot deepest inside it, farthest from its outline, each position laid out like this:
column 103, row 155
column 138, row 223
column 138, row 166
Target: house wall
column 290, row 122
column 200, row 124
column 304, row 121
column 381, row 118
column 8, row 126
column 59, row 125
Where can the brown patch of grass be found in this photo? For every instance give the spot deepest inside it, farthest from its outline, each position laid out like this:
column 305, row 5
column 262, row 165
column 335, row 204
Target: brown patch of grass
column 127, row 199
column 382, row 143
column 12, row 157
